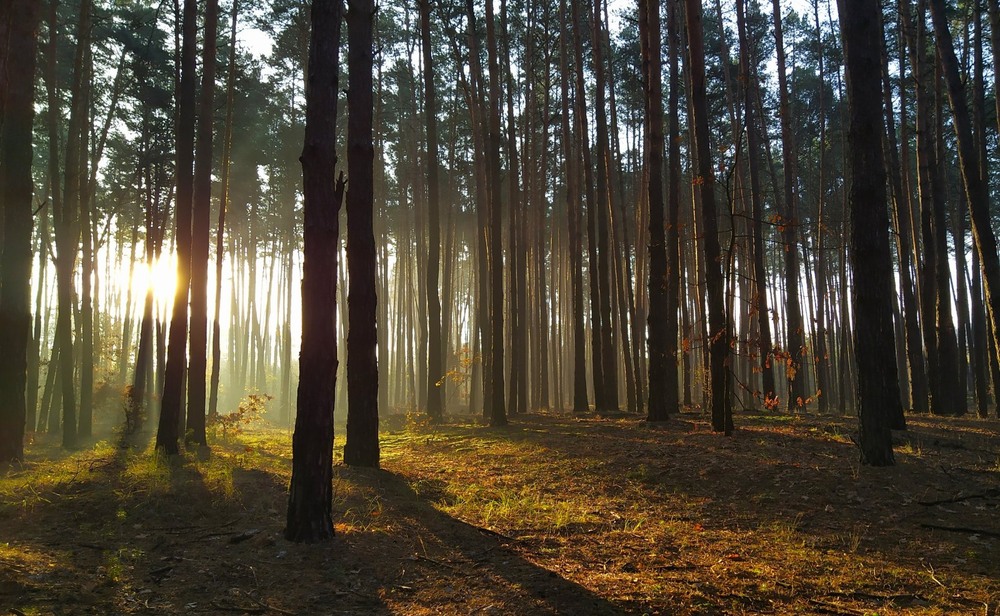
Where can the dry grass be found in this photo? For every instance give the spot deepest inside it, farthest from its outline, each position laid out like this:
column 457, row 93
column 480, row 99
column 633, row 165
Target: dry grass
column 555, row 514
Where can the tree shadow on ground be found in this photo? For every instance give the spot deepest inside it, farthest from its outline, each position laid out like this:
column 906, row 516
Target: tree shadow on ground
column 782, row 492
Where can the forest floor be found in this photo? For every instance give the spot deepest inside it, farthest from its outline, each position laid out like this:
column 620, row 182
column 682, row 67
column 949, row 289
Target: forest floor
column 556, row 514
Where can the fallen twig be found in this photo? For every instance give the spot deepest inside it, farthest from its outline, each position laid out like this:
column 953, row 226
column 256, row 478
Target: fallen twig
column 239, row 608
column 432, row 561
column 957, row 499
column 161, row 571
column 962, row 529
column 930, row 571
column 830, row 608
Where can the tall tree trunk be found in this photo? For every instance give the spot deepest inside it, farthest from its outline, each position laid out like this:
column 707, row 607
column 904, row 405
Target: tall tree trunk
column 67, row 228
column 662, row 373
column 311, row 490
column 362, row 341
column 976, row 188
column 19, row 26
column 435, row 371
column 227, row 153
column 173, row 387
column 86, row 322
column 605, row 212
column 675, row 265
column 704, row 184
column 795, row 341
column 583, row 137
column 760, row 303
column 581, row 402
column 200, row 233
column 496, row 404
column 878, row 387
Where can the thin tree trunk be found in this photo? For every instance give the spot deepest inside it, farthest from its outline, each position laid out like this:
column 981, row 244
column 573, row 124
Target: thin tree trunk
column 976, row 188
column 704, row 183
column 200, row 232
column 171, row 410
column 227, row 153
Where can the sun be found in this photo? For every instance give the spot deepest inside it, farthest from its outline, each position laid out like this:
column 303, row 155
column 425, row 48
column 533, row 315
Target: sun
column 161, row 278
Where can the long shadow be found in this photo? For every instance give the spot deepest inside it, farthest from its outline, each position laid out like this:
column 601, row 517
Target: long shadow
column 805, row 482
column 480, row 570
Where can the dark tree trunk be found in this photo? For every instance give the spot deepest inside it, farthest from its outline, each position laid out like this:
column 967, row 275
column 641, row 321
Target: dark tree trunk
column 200, row 232
column 362, row 339
column 496, row 404
column 605, row 213
column 85, row 326
column 435, row 371
column 227, row 149
column 171, row 411
column 871, row 264
column 976, row 189
column 662, row 372
column 19, row 21
column 795, row 341
column 704, row 185
column 583, row 136
column 902, row 222
column 572, row 169
column 311, row 490
column 760, row 303
column 67, row 227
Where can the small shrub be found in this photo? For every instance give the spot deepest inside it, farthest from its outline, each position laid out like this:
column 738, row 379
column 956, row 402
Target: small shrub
column 249, row 413
column 134, row 413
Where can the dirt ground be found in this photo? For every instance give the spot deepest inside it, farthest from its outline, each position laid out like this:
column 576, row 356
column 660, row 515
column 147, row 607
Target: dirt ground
column 556, row 514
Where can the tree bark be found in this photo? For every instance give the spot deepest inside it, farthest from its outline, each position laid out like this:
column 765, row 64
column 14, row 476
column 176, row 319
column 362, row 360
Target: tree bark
column 200, row 233
column 311, row 491
column 871, row 265
column 227, row 152
column 581, row 402
column 662, row 372
column 362, row 341
column 19, row 24
column 975, row 185
column 435, row 371
column 704, row 185
column 171, row 411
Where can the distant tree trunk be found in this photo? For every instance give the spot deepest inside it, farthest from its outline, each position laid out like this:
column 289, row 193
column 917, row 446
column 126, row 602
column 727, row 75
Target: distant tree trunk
column 496, row 404
column 795, row 341
column 976, row 188
column 878, row 387
column 362, row 448
column 902, row 218
column 19, row 21
column 227, row 153
column 435, row 371
column 311, row 490
column 662, row 372
column 86, row 317
column 605, row 214
column 67, row 227
column 675, row 266
column 572, row 169
column 200, row 232
column 766, row 347
column 583, row 137
column 173, row 386
column 977, row 340
column 704, row 183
